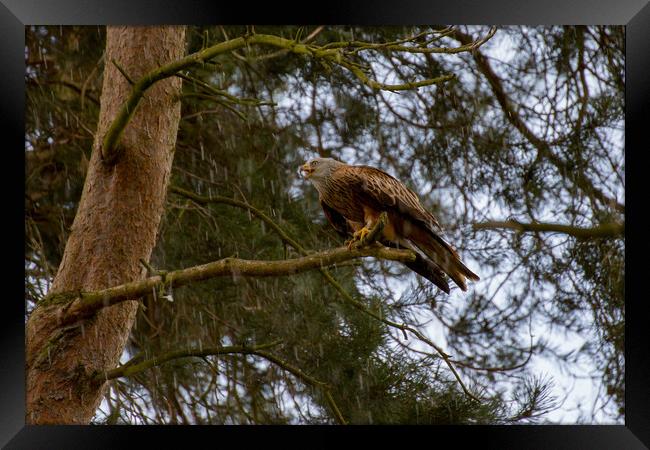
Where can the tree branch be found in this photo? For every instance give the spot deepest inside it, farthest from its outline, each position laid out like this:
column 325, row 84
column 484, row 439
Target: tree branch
column 80, row 305
column 128, row 109
column 607, row 230
column 470, row 45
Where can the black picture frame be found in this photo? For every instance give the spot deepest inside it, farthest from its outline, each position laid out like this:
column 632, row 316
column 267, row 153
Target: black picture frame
column 635, row 14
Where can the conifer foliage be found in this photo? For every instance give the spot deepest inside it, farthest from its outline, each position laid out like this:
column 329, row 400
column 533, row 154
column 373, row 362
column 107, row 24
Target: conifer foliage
column 511, row 136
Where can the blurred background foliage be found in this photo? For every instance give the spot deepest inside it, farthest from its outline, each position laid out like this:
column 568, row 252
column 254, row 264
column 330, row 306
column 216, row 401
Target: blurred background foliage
column 531, row 129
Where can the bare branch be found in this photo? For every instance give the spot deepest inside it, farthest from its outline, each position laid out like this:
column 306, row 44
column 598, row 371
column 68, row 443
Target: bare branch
column 607, row 230
column 399, row 47
column 221, row 93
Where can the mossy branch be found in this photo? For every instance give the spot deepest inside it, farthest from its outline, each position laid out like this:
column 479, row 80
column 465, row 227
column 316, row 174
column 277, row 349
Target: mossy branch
column 332, row 55
column 112, row 137
column 85, row 304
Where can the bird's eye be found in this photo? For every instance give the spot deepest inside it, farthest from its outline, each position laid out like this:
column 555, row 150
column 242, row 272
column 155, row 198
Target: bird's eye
column 313, row 163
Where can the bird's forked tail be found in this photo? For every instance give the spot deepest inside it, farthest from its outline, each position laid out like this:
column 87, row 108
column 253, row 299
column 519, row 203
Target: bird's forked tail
column 443, row 255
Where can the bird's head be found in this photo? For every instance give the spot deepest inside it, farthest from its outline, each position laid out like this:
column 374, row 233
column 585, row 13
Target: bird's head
column 319, row 168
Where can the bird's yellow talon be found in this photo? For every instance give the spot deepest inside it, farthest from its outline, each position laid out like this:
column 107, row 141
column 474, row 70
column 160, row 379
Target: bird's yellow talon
column 357, row 236
column 361, row 234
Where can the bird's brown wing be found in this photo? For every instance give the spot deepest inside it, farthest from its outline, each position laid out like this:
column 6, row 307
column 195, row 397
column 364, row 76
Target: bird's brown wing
column 382, row 192
column 339, row 222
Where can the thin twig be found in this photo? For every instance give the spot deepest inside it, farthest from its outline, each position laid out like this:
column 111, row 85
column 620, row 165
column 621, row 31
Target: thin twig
column 123, row 72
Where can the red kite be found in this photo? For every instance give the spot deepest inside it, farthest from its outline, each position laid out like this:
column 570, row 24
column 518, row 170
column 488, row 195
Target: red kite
column 353, row 197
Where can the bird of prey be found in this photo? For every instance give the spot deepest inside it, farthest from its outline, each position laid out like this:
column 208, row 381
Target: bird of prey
column 353, row 197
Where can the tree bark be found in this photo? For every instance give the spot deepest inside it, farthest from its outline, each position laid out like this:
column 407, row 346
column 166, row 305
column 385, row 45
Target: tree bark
column 116, row 225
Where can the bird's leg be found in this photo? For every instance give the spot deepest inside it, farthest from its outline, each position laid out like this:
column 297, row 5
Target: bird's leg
column 360, row 235
column 357, row 237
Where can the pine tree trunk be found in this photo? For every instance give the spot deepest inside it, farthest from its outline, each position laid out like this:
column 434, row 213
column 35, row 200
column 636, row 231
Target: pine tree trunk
column 116, row 224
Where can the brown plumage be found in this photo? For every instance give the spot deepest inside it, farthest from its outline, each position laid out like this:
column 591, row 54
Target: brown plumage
column 353, row 197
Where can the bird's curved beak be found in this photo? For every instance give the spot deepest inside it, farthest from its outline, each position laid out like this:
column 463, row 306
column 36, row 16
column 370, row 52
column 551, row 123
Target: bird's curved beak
column 306, row 170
